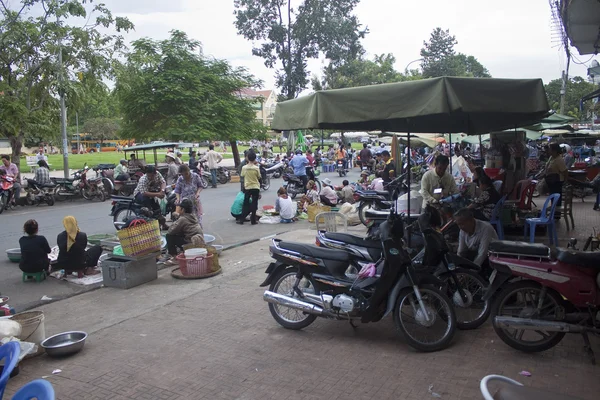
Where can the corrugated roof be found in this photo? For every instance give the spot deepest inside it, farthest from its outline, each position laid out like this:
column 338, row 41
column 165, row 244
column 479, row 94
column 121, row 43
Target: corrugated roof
column 153, row 146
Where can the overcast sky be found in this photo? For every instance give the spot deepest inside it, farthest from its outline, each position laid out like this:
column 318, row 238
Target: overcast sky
column 512, row 38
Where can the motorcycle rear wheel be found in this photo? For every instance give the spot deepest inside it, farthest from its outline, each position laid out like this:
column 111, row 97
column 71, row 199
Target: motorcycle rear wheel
column 87, row 193
column 100, row 194
column 3, row 200
column 521, row 290
column 223, row 179
column 444, row 314
column 284, row 315
column 123, row 214
column 267, row 183
column 477, row 311
column 362, row 209
column 57, row 195
column 203, row 182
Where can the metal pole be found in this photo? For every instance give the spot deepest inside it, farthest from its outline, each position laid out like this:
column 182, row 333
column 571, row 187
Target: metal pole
column 481, row 151
column 563, row 90
column 63, row 113
column 77, row 131
column 451, row 150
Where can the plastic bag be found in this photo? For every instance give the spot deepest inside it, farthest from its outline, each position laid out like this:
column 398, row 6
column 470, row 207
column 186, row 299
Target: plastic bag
column 118, row 250
column 270, row 219
column 163, row 205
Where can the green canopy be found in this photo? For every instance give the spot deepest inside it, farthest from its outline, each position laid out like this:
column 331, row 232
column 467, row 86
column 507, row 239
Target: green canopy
column 438, row 105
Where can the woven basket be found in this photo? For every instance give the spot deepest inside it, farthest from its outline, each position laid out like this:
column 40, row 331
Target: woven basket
column 140, row 239
column 198, row 266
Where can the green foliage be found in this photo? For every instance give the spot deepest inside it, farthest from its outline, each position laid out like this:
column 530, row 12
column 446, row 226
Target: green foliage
column 102, row 128
column 286, row 37
column 361, row 72
column 440, row 59
column 167, row 90
column 30, row 77
column 577, row 87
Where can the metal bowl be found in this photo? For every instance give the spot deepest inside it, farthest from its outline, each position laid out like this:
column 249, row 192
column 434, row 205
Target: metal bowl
column 64, row 344
column 14, row 255
column 218, row 248
column 209, row 238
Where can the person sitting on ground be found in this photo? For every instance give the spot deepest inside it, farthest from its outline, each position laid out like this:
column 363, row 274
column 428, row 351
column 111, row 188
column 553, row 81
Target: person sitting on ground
column 285, row 207
column 42, row 173
column 377, row 184
column 474, row 238
column 72, row 253
column 311, row 196
column 34, row 249
column 347, row 192
column 328, row 195
column 183, row 231
column 151, row 186
column 364, row 180
column 483, row 206
column 121, row 172
column 437, row 183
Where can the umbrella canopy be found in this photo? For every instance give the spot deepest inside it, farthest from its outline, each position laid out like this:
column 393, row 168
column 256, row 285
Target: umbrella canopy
column 438, row 105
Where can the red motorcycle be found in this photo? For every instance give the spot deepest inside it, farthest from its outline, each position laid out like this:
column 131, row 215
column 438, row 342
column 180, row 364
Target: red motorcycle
column 544, row 295
column 91, row 188
column 6, row 191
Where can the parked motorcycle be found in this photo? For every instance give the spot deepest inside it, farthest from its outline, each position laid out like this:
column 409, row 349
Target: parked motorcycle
column 275, row 170
column 67, row 188
column 91, row 188
column 36, row 194
column 463, row 284
column 295, row 185
column 204, row 173
column 306, row 281
column 124, row 208
column 6, row 189
column 378, row 200
column 106, row 173
column 543, row 296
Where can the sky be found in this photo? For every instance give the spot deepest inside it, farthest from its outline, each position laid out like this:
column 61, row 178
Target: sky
column 512, row 38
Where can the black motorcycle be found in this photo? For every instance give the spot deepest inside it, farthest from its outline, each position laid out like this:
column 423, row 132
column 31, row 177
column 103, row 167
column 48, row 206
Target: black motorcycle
column 36, row 193
column 307, row 281
column 295, row 185
column 125, row 208
column 430, row 254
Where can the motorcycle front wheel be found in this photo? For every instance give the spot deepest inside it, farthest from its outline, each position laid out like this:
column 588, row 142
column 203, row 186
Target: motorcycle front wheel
column 267, row 184
column 473, row 312
column 123, row 214
column 57, row 195
column 100, row 194
column 222, row 178
column 428, row 330
column 3, row 200
column 283, row 284
column 522, row 300
column 50, row 199
column 362, row 209
column 203, row 182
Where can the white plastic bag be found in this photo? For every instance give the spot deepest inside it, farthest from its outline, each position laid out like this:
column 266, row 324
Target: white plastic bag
column 270, row 219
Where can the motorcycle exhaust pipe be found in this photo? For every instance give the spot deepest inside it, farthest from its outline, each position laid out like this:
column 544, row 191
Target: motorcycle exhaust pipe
column 537, row 324
column 286, row 301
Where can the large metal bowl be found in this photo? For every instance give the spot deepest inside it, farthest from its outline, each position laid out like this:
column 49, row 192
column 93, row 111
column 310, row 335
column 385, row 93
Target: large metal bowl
column 14, row 255
column 64, row 344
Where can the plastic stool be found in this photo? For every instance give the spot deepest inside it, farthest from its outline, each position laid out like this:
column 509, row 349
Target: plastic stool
column 37, row 276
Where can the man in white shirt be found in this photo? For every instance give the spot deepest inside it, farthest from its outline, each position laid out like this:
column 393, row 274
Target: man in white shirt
column 475, row 236
column 213, row 158
column 437, row 183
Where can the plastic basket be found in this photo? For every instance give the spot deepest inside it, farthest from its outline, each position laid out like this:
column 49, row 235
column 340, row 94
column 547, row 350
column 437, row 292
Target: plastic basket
column 198, row 266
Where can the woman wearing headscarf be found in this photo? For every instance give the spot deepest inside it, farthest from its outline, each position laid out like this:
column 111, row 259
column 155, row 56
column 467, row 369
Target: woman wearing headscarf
column 72, row 253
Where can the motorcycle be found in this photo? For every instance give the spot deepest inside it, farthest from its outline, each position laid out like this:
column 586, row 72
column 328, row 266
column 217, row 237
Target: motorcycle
column 106, row 172
column 67, row 188
column 125, row 208
column 544, row 295
column 341, row 169
column 306, row 281
column 6, row 189
column 91, row 188
column 295, row 185
column 205, row 176
column 463, row 284
column 265, row 178
column 378, row 200
column 275, row 170
column 36, row 194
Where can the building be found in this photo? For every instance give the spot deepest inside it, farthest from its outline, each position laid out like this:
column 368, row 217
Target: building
column 266, row 101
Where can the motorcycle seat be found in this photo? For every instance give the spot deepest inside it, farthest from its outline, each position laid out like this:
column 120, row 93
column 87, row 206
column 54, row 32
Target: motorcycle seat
column 48, row 185
column 336, row 261
column 514, row 392
column 588, row 259
column 117, row 198
column 353, row 240
column 522, row 248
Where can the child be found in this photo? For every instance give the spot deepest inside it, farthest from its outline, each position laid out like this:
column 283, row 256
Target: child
column 285, row 206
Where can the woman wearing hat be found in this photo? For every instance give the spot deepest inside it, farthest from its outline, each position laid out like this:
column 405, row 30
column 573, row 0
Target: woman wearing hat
column 328, row 196
column 172, row 169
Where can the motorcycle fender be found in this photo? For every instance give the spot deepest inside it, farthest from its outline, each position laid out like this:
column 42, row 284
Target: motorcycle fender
column 463, row 262
column 272, row 270
column 503, row 274
column 404, row 282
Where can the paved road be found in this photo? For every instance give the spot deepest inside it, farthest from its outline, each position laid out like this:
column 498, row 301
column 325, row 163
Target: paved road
column 93, row 219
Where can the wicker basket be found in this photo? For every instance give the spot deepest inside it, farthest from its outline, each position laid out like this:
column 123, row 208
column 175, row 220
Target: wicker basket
column 198, row 266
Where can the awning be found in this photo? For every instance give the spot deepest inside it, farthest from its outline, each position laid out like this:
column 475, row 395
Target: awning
column 581, row 19
column 438, row 105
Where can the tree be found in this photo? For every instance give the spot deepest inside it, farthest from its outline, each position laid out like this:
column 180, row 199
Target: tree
column 101, row 128
column 168, row 90
column 287, row 37
column 576, row 88
column 30, row 78
column 440, row 58
column 360, row 72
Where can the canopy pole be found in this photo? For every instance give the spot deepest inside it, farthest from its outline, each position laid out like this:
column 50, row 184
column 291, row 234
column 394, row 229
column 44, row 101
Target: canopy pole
column 481, row 150
column 322, row 141
column 451, row 151
column 408, row 180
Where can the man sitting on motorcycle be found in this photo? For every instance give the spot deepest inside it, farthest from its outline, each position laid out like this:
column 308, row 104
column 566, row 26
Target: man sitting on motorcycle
column 121, row 172
column 299, row 164
column 42, row 174
column 151, row 186
column 341, row 155
column 366, row 158
column 475, row 237
column 437, row 183
column 12, row 171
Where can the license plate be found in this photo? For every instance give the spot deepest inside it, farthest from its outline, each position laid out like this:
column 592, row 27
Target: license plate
column 493, row 276
column 437, row 191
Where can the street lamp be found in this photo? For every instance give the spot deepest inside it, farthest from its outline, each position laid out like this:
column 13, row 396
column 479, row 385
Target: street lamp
column 407, row 65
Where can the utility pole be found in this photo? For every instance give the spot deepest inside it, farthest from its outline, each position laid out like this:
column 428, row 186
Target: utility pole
column 563, row 89
column 77, row 131
column 63, row 112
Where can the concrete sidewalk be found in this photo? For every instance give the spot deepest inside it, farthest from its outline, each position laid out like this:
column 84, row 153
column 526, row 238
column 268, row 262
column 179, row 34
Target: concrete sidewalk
column 215, row 339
